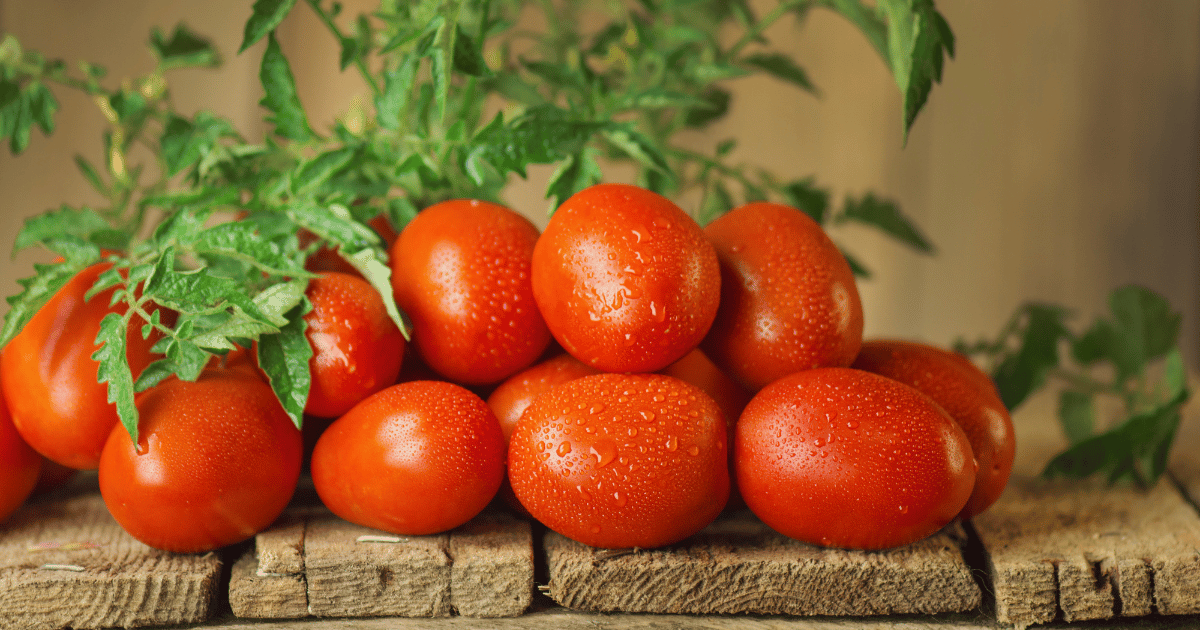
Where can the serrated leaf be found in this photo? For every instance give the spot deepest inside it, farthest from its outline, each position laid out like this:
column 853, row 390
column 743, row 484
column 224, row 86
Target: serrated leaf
column 188, row 358
column 242, row 241
column 184, row 48
column 468, row 58
column 717, row 106
column 397, row 88
column 1025, row 370
column 808, row 198
column 885, row 216
column 782, row 67
column 856, row 266
column 638, row 146
column 280, row 97
column 333, row 224
column 36, row 291
column 542, row 135
column 127, row 105
column 266, row 15
column 91, row 175
column 1075, row 414
column 155, row 373
column 573, row 174
column 284, row 358
column 44, row 228
column 918, row 40
column 315, row 172
column 113, row 368
column 380, row 276
column 275, row 301
column 184, row 142
column 42, row 106
column 16, row 121
column 1145, row 325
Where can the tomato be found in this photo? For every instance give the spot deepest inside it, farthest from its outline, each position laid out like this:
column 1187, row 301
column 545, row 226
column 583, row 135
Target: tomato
column 514, row 395
column 621, row 460
column 357, row 349
column 845, row 458
column 966, row 393
column 416, row 458
column 460, row 269
column 52, row 476
column 788, row 297
column 328, row 259
column 48, row 375
column 19, row 466
column 216, row 461
column 625, row 279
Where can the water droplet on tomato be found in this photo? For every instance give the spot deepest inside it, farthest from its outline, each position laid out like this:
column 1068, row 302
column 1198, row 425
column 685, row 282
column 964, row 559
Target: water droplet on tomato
column 596, row 408
column 672, row 444
column 852, row 424
column 620, row 499
column 904, row 509
column 693, row 450
column 604, row 452
column 595, row 529
column 563, row 449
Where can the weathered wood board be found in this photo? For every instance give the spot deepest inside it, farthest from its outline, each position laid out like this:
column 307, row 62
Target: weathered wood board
column 67, row 563
column 1080, row 550
column 739, row 565
column 313, row 563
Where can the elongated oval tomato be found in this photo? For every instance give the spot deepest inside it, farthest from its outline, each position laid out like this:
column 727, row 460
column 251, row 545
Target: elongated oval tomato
column 625, row 279
column 417, row 458
column 788, row 297
column 966, row 393
column 845, row 458
column 510, row 399
column 19, row 466
column 49, row 377
column 460, row 269
column 621, row 460
column 216, row 462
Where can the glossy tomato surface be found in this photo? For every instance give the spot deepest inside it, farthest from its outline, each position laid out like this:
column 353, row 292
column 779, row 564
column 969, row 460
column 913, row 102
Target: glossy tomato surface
column 625, row 279
column 621, row 460
column 966, row 393
column 845, row 458
column 216, row 462
column 788, row 297
column 510, row 399
column 48, row 375
column 19, row 466
column 357, row 349
column 460, row 269
column 416, row 458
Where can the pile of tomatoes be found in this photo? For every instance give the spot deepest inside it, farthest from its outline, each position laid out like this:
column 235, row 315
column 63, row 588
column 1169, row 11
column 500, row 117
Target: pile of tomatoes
column 622, row 377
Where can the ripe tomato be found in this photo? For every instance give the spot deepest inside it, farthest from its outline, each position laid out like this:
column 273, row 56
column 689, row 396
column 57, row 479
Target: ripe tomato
column 845, row 458
column 216, row 461
column 788, row 297
column 621, row 460
column 48, row 375
column 513, row 396
column 416, row 458
column 967, row 394
column 357, row 350
column 625, row 279
column 19, row 466
column 460, row 269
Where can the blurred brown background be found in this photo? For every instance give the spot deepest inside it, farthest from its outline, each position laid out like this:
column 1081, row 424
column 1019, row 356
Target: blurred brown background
column 1060, row 157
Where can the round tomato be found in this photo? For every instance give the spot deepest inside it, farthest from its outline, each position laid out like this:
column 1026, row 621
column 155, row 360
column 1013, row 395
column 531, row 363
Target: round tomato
column 357, row 349
column 845, row 458
column 19, row 466
column 216, row 462
column 621, row 460
column 967, row 394
column 416, row 458
column 48, row 375
column 625, row 279
column 788, row 297
column 460, row 269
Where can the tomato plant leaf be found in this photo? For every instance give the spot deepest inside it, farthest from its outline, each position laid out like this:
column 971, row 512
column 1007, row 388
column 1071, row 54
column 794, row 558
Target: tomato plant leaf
column 1146, row 327
column 397, row 89
column 184, row 142
column 573, row 174
column 113, row 368
column 155, row 373
column 91, row 175
column 242, row 241
column 183, row 49
column 1022, row 372
column 804, row 195
column 284, row 357
column 717, row 105
column 380, row 276
column 918, row 40
column 265, row 16
column 885, row 216
column 36, row 291
column 856, row 266
column 48, row 227
column 468, row 58
column 638, row 146
column 782, row 67
column 280, row 97
column 1075, row 413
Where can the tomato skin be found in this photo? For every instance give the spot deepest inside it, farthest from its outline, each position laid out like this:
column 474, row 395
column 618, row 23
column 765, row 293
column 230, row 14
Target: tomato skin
column 460, row 269
column 19, row 466
column 789, row 301
column 621, row 460
column 845, row 458
column 966, row 393
column 510, row 399
column 219, row 462
column 625, row 279
column 357, row 349
column 417, row 458
column 49, row 377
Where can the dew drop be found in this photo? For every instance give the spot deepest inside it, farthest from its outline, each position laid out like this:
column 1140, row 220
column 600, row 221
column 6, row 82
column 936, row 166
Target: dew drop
column 604, row 452
column 693, row 450
column 672, row 444
column 620, row 499
column 563, row 449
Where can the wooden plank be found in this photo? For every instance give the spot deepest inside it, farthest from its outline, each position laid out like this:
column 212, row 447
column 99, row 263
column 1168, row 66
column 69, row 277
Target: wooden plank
column 1080, row 550
column 255, row 595
column 492, row 574
column 739, row 565
column 68, row 563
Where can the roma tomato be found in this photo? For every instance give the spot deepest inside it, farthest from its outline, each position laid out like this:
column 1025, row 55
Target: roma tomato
column 510, row 399
column 460, row 269
column 788, row 297
column 19, row 466
column 48, row 375
column 625, row 279
column 966, row 393
column 416, row 458
column 845, row 458
column 696, row 368
column 621, row 460
column 357, row 350
column 216, row 462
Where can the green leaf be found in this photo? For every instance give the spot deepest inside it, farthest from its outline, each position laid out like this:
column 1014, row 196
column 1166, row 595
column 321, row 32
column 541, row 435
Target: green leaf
column 856, row 267
column 864, row 17
column 1075, row 413
column 660, row 98
column 36, row 291
column 315, row 172
column 468, row 58
column 1025, row 370
column 16, row 121
column 280, row 97
column 334, row 224
column 1145, row 320
column 717, row 202
column 153, row 374
column 380, row 276
column 717, row 106
column 242, row 241
column 113, row 368
column 187, row 358
column 284, row 357
column 267, row 14
column 782, row 67
column 397, row 88
column 573, row 174
column 184, row 142
column 805, row 196
column 183, row 49
column 42, row 106
column 705, row 73
column 128, row 105
column 51, row 226
column 542, row 135
column 885, row 216
column 918, row 40
column 640, row 147
column 91, row 175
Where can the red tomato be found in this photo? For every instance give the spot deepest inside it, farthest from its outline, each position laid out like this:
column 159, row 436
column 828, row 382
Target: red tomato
column 625, row 279
column 217, row 460
column 514, row 395
column 788, row 297
column 327, row 259
column 19, row 466
column 621, row 460
column 967, row 394
column 845, row 458
column 357, row 350
column 48, row 375
column 416, row 458
column 460, row 269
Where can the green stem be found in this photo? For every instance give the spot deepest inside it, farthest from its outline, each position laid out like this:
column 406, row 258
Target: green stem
column 359, row 63
column 763, row 24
